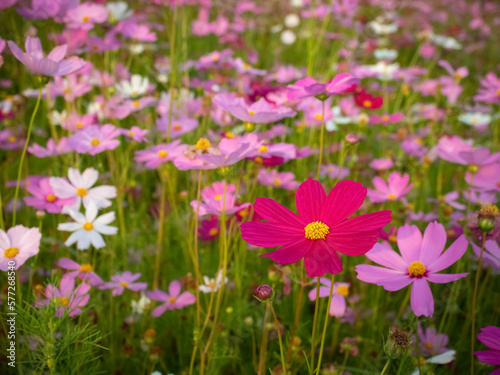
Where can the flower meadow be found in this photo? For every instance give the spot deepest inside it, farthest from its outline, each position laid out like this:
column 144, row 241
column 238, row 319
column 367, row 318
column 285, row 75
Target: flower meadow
column 249, row 187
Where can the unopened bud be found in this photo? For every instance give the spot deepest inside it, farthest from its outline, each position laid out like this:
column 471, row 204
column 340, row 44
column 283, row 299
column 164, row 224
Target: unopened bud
column 264, row 293
column 351, row 139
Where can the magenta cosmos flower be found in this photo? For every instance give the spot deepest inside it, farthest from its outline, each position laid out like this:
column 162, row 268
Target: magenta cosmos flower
column 53, row 65
column 82, row 271
column 17, row 245
column 44, row 197
column 320, row 230
column 308, row 87
column 421, row 258
column 124, row 281
column 173, row 300
column 490, row 336
column 394, row 189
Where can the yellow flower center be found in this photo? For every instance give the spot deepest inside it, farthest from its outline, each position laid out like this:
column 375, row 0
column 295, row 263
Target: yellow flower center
column 391, row 197
column 473, row 168
column 81, row 192
column 428, row 345
column 251, row 113
column 498, row 92
column 229, row 135
column 67, row 91
column 259, row 160
column 416, row 269
column 131, row 133
column 367, row 104
column 136, row 103
column 172, row 300
column 64, row 301
column 343, row 290
column 385, row 118
column 316, row 230
column 202, row 144
column 10, row 252
column 393, row 238
column 262, row 148
column 88, row 226
column 60, row 301
column 213, row 232
column 85, row 268
column 12, row 139
column 458, row 77
column 133, row 93
column 50, row 198
column 95, row 142
column 79, row 125
column 277, row 182
column 85, row 19
column 124, row 284
column 162, row 154
column 450, row 233
column 489, row 209
column 217, row 197
column 318, row 116
column 418, row 141
column 177, row 127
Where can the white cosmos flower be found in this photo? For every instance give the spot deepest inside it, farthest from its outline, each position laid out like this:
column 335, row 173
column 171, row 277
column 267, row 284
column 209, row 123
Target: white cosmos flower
column 445, row 41
column 119, row 10
column 383, row 29
column 87, row 229
column 212, row 285
column 475, row 118
column 292, row 20
column 139, row 306
column 80, row 188
column 385, row 54
column 288, row 37
column 440, row 359
column 137, row 86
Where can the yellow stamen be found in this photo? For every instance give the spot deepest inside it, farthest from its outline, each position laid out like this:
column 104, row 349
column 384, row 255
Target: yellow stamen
column 473, row 168
column 343, row 290
column 393, row 238
column 124, row 284
column 202, row 144
column 95, row 142
column 217, row 197
column 214, row 232
column 172, row 300
column 85, row 19
column 251, row 113
column 12, row 139
column 177, row 127
column 367, row 104
column 416, row 269
column 136, row 103
column 428, row 345
column 88, row 226
column 229, row 135
column 391, row 197
column 131, row 133
column 50, row 198
column 316, row 230
column 385, row 118
column 86, row 268
column 10, row 252
column 81, row 192
column 79, row 125
column 277, row 182
column 262, row 148
column 162, row 154
column 318, row 116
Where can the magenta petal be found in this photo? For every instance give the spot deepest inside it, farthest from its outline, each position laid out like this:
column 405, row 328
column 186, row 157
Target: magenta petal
column 492, row 357
column 272, row 211
column 387, row 257
column 309, row 200
column 290, row 253
column 343, row 201
column 321, row 259
column 409, row 242
column 159, row 310
column 490, row 336
column 442, row 278
column 337, row 306
column 450, row 256
column 270, row 234
column 433, row 242
column 174, row 288
column 422, row 302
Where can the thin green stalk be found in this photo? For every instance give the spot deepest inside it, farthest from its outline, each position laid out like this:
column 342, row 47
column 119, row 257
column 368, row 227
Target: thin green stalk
column 385, row 367
column 327, row 314
column 316, row 308
column 283, row 363
column 474, row 295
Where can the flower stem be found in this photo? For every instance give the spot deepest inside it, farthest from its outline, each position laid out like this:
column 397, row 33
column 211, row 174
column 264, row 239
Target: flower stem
column 321, row 140
column 386, row 366
column 159, row 239
column 196, row 258
column 474, row 296
column 263, row 344
column 283, row 363
column 316, row 308
column 327, row 314
column 297, row 315
column 20, row 170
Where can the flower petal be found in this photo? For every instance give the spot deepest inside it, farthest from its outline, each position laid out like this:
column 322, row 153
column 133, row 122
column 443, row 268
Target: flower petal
column 450, row 256
column 290, row 253
column 409, row 242
column 387, row 257
column 270, row 234
column 321, row 259
column 422, row 302
column 343, row 201
column 272, row 211
column 433, row 242
column 309, row 200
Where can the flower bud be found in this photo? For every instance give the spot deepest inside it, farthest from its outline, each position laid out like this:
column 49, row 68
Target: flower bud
column 351, row 139
column 397, row 344
column 264, row 293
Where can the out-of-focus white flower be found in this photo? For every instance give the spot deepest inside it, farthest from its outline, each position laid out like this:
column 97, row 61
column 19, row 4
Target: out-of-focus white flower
column 288, row 37
column 383, row 29
column 212, row 285
column 118, row 11
column 137, row 86
column 385, row 54
column 475, row 118
column 445, row 41
column 292, row 20
column 440, row 359
column 57, row 118
column 139, row 306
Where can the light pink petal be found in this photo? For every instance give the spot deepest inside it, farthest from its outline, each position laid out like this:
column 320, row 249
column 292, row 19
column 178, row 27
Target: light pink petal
column 324, row 291
column 450, row 256
column 422, row 302
column 58, row 53
column 442, row 278
column 433, row 242
column 409, row 242
column 387, row 257
column 68, row 264
column 337, row 306
column 174, row 288
column 185, row 299
column 374, row 274
column 309, row 200
column 343, row 201
column 159, row 310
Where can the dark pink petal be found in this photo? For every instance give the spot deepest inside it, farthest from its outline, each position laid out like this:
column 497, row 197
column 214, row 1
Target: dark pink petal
column 409, row 242
column 343, row 201
column 422, row 302
column 272, row 211
column 490, row 336
column 353, row 243
column 387, row 257
column 450, row 256
column 309, row 200
column 291, row 252
column 270, row 234
column 433, row 242
column 491, row 357
column 442, row 278
column 321, row 259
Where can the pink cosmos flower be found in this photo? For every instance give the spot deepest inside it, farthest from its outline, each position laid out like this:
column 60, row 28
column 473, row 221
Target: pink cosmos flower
column 212, row 200
column 431, row 342
column 396, row 188
column 340, row 291
column 491, row 253
column 52, row 148
column 80, row 188
column 94, row 139
column 17, row 245
column 421, row 258
column 141, row 33
column 332, row 171
column 7, row 4
column 487, row 177
column 136, row 133
column 458, row 74
column 283, row 180
column 450, row 199
column 307, row 87
column 178, row 126
column 85, row 15
column 82, row 271
column 53, row 65
column 382, row 164
column 321, row 229
column 173, row 300
column 209, row 228
column 124, row 281
column 449, row 148
column 75, row 122
column 44, row 197
column 490, row 336
column 386, row 118
column 259, row 112
column 67, row 298
column 160, row 154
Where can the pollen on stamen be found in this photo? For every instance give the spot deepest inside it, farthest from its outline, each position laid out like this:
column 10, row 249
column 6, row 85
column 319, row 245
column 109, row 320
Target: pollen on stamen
column 316, row 230
column 416, row 269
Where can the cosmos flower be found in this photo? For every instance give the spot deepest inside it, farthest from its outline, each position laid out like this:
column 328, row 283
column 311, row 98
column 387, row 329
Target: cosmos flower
column 88, row 229
column 283, row 180
column 17, row 245
column 491, row 254
column 44, row 197
column 160, row 154
column 321, row 229
column 212, row 200
column 367, row 101
column 68, row 298
column 308, row 87
column 396, row 188
column 95, row 139
column 420, row 261
column 137, row 86
column 490, row 336
column 172, row 300
column 381, row 164
column 431, row 342
column 124, row 281
column 80, row 187
column 52, row 65
column 82, row 271
column 340, row 292
column 212, row 285
column 85, row 15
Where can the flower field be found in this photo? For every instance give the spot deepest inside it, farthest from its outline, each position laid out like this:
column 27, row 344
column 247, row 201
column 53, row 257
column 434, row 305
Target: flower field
column 229, row 187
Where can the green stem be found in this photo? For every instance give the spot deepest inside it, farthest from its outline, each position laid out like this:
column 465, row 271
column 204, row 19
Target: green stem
column 283, row 363
column 474, row 296
column 327, row 314
column 386, row 366
column 20, row 170
column 316, row 308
